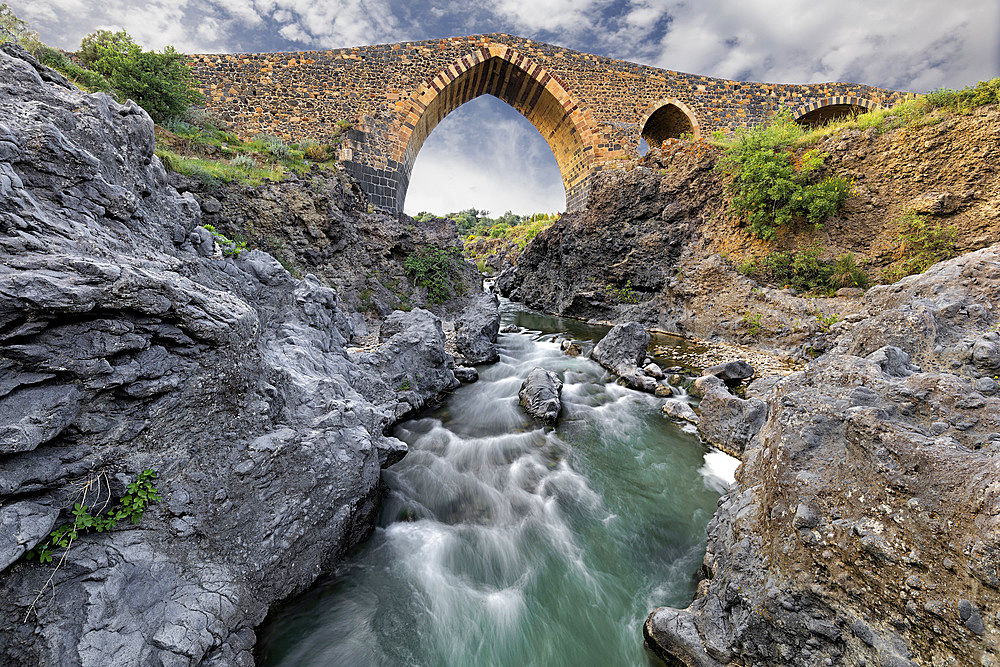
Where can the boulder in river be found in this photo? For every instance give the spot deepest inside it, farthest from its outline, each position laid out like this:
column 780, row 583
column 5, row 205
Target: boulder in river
column 621, row 351
column 728, row 421
column 731, row 371
column 539, row 395
column 476, row 330
column 623, row 348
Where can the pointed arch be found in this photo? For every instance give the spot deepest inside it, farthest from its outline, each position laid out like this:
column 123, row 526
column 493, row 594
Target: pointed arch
column 832, row 108
column 667, row 118
column 515, row 79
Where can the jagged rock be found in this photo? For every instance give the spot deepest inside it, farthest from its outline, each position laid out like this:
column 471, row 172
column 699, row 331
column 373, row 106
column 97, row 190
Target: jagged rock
column 843, row 494
column 731, row 371
column 679, row 409
column 663, row 391
column 127, row 343
column 411, row 367
column 477, row 328
column 730, row 422
column 539, row 395
column 466, row 374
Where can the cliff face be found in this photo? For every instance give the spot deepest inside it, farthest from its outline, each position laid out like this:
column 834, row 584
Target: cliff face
column 863, row 526
column 656, row 245
column 128, row 342
column 319, row 223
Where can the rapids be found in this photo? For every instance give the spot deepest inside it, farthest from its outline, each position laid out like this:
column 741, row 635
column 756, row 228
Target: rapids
column 502, row 542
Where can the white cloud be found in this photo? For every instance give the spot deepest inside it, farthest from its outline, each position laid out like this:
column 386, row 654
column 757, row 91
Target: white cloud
column 485, row 155
column 570, row 17
column 911, row 44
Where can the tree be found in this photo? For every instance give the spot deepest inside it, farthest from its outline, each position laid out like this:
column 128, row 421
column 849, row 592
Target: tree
column 161, row 83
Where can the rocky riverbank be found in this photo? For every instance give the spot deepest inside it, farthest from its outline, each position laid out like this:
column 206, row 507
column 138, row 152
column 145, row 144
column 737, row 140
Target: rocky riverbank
column 862, row 529
column 129, row 342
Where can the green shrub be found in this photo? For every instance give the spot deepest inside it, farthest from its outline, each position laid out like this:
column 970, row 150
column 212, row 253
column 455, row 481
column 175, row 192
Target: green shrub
column 230, row 248
column 921, row 245
column 14, row 29
column 625, row 294
column 768, row 186
column 437, row 270
column 315, row 151
column 847, row 272
column 243, row 161
column 161, row 83
column 752, row 322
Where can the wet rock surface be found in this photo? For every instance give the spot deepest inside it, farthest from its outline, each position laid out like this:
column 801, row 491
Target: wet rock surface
column 862, row 527
column 128, row 342
column 621, row 351
column 539, row 395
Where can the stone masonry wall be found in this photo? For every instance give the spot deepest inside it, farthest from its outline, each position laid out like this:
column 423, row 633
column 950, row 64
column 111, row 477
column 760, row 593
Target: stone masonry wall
column 590, row 109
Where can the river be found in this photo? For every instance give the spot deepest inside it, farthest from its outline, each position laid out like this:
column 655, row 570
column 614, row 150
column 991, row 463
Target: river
column 502, row 542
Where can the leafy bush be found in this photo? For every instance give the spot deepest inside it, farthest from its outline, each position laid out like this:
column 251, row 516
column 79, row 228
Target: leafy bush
column 921, row 244
column 16, row 30
column 161, row 83
column 243, row 161
column 847, row 272
column 437, row 270
column 230, row 248
column 315, row 151
column 625, row 294
column 768, row 185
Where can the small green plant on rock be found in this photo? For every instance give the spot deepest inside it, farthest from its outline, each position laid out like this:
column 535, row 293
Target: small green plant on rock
column 625, row 294
column 752, row 322
column 86, row 518
column 230, row 248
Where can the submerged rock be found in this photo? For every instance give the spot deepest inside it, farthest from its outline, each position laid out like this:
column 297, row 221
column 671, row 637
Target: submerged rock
column 679, row 409
column 539, row 395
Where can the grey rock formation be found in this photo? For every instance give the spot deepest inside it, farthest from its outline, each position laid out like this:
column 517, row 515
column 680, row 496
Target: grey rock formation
column 679, row 409
column 539, row 395
column 621, row 351
column 476, row 330
column 127, row 342
column 319, row 223
column 410, row 368
column 730, row 422
column 731, row 371
column 862, row 528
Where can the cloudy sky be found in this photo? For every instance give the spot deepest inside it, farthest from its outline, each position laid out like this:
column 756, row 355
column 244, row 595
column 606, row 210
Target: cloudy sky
column 488, row 153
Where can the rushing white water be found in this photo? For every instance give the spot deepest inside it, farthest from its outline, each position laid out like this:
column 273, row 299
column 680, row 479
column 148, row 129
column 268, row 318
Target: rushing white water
column 503, row 542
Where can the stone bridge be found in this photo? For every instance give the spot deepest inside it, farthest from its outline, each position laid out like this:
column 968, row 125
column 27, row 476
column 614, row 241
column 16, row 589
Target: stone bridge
column 591, row 110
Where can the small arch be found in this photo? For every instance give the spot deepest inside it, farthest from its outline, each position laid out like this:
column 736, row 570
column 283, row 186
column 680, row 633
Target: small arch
column 518, row 81
column 827, row 109
column 667, row 119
